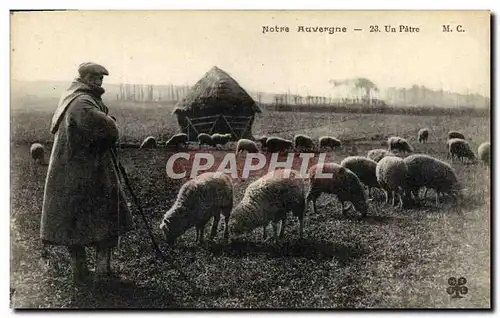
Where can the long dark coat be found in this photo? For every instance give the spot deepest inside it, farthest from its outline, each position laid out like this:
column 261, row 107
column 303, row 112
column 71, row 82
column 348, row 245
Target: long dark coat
column 83, row 202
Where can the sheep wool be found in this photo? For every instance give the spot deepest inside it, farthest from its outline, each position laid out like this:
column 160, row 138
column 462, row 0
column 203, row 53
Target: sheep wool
column 207, row 196
column 37, row 152
column 330, row 142
column 460, row 149
column 269, row 199
column 343, row 183
column 432, row 173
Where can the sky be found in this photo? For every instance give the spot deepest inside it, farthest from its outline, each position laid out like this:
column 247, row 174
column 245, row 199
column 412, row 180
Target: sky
column 174, row 47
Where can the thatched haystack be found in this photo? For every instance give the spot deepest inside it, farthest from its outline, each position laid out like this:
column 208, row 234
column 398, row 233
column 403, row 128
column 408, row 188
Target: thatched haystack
column 216, row 104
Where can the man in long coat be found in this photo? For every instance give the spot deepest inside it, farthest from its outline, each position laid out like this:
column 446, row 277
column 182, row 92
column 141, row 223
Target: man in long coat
column 83, row 203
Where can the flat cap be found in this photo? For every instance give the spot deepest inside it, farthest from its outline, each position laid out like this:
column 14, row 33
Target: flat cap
column 92, row 68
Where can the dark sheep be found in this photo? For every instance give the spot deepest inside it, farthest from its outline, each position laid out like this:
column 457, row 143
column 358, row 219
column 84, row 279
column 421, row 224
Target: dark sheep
column 330, row 142
column 423, row 135
column 431, row 173
column 37, row 153
column 460, row 149
column 303, row 142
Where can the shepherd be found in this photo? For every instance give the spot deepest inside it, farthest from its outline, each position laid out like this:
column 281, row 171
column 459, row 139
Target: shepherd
column 84, row 203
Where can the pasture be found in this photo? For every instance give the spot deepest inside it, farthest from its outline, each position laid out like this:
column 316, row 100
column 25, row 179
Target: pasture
column 390, row 259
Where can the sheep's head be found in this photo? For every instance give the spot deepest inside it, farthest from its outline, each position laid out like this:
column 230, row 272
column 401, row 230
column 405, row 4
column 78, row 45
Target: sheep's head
column 174, row 225
column 166, row 227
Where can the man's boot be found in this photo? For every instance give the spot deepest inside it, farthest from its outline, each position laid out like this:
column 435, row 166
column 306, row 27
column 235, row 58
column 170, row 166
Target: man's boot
column 78, row 264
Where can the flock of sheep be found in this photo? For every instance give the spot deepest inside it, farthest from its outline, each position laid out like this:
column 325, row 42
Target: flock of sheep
column 270, row 198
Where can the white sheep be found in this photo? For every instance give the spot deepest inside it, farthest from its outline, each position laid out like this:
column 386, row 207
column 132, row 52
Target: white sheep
column 329, row 142
column 269, row 199
column 303, row 142
column 391, row 175
column 37, row 153
column 246, row 145
column 277, row 144
column 177, row 140
column 205, row 139
column 460, row 149
column 377, row 154
column 365, row 170
column 432, row 173
column 343, row 183
column 423, row 135
column 484, row 152
column 455, row 134
column 149, row 142
column 207, row 196
column 400, row 144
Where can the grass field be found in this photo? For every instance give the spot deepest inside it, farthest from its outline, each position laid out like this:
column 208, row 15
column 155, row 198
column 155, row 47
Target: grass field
column 390, row 259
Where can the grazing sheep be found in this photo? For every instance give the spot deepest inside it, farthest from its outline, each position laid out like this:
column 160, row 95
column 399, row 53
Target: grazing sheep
column 207, row 196
column 37, row 153
column 423, row 135
column 149, row 142
column 391, row 175
column 221, row 139
column 277, row 144
column 177, row 140
column 455, row 134
column 268, row 200
column 377, row 154
column 343, row 183
column 365, row 170
column 484, row 152
column 460, row 149
column 303, row 142
column 399, row 144
column 432, row 173
column 246, row 145
column 205, row 139
column 329, row 142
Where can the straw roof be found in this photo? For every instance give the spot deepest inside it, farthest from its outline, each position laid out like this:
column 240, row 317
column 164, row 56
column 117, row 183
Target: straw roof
column 219, row 92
